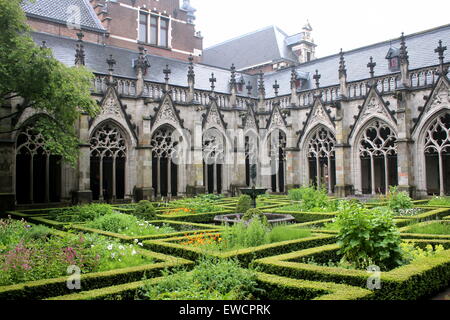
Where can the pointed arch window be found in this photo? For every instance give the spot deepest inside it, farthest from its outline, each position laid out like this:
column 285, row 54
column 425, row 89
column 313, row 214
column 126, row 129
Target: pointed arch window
column 165, row 143
column 213, row 160
column 38, row 172
column 437, row 155
column 321, row 156
column 378, row 154
column 108, row 163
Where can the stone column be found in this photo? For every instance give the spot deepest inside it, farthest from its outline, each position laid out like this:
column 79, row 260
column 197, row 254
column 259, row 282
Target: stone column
column 144, row 188
column 84, row 193
column 196, row 184
column 404, row 157
column 342, row 153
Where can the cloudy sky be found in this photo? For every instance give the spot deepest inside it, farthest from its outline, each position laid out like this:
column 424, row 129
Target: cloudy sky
column 341, row 23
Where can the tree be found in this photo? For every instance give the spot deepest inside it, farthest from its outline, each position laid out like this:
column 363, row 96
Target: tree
column 32, row 74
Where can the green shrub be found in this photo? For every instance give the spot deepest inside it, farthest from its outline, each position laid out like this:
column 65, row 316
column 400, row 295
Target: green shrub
column 397, row 201
column 244, row 203
column 145, row 210
column 369, row 237
column 211, row 279
column 254, row 213
column 295, row 194
column 241, row 235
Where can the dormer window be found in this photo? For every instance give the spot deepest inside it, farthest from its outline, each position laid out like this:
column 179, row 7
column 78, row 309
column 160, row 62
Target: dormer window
column 393, row 59
column 240, row 84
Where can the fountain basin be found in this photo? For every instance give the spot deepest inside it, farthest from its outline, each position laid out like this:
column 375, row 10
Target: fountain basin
column 272, row 218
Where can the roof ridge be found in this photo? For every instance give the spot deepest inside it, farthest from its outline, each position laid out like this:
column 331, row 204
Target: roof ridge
column 241, row 36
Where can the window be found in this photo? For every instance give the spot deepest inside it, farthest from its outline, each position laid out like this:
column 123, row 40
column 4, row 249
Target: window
column 143, row 34
column 393, row 64
column 154, row 30
column 164, row 32
column 308, row 56
column 158, row 34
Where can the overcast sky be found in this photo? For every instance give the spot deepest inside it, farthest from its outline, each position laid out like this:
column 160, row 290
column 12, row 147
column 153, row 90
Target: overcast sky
column 348, row 24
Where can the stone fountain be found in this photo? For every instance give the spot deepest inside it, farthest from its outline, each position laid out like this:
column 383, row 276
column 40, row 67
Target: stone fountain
column 254, row 192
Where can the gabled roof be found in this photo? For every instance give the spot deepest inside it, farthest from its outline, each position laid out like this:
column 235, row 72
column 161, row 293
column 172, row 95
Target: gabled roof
column 256, row 48
column 420, row 50
column 61, row 11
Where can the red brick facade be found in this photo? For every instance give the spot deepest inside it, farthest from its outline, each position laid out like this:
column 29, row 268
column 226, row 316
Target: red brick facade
column 120, row 19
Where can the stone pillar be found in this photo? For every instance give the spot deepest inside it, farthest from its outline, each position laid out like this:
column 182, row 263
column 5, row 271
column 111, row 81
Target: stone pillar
column 196, row 185
column 404, row 142
column 84, row 193
column 144, row 189
column 343, row 186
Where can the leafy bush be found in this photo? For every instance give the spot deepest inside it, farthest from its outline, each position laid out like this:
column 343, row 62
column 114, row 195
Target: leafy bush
column 145, row 210
column 244, row 204
column 439, row 201
column 398, row 200
column 255, row 213
column 295, row 194
column 411, row 252
column 241, row 235
column 128, row 225
column 369, row 237
column 211, row 279
column 311, row 199
column 81, row 213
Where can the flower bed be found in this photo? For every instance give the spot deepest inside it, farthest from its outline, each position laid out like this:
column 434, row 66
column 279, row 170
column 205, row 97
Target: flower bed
column 178, row 247
column 177, row 229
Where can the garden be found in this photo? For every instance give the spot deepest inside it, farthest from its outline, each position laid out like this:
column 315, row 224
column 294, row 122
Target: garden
column 390, row 248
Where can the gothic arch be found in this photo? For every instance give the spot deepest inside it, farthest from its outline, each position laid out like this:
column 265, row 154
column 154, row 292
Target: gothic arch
column 38, row 177
column 274, row 159
column 168, row 149
column 111, row 161
column 319, row 152
column 433, row 152
column 374, row 160
column 215, row 152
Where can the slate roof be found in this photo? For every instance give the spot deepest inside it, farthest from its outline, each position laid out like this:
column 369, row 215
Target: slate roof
column 262, row 46
column 96, row 54
column 60, row 11
column 420, row 50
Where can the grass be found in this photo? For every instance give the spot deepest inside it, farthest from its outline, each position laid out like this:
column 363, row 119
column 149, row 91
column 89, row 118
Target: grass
column 432, row 228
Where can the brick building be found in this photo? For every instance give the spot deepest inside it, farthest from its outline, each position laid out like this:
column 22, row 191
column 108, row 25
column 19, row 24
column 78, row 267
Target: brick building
column 355, row 122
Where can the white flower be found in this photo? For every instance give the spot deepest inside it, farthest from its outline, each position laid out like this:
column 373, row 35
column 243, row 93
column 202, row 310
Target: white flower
column 113, row 255
column 134, row 252
column 121, row 247
column 110, row 247
column 136, row 240
column 141, row 244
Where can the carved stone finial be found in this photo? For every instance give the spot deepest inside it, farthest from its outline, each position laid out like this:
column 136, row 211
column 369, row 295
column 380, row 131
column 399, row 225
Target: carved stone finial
column 317, row 77
column 261, row 87
column 191, row 73
column 342, row 69
column 440, row 51
column 276, row 86
column 403, row 52
column 167, row 72
column 371, row 65
column 233, row 75
column 212, row 80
